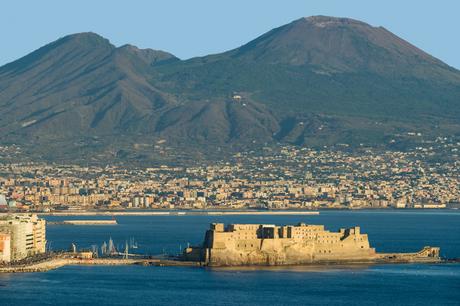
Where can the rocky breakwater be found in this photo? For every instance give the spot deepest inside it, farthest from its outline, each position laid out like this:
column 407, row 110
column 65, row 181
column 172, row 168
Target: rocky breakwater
column 262, row 244
column 43, row 266
column 60, row 261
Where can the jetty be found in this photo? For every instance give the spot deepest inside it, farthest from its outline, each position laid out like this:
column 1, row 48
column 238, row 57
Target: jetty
column 56, row 262
column 83, row 222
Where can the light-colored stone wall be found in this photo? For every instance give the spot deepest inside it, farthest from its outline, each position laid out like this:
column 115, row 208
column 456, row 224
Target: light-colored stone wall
column 244, row 244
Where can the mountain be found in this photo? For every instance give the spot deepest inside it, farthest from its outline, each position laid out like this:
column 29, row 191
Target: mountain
column 316, row 81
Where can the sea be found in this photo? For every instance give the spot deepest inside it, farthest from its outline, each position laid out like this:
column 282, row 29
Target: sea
column 383, row 284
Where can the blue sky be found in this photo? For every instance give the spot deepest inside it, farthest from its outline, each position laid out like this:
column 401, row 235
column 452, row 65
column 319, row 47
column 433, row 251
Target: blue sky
column 200, row 27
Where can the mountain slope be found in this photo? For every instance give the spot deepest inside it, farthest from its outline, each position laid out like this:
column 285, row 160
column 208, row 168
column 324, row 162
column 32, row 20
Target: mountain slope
column 325, row 64
column 79, row 84
column 318, row 80
column 337, row 45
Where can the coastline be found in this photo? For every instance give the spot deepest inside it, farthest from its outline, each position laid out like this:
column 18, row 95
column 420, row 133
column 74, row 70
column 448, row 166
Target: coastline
column 231, row 212
column 227, row 212
column 177, row 213
column 56, row 263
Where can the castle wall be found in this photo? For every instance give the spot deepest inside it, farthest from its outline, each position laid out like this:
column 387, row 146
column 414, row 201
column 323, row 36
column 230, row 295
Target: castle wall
column 258, row 244
column 242, row 244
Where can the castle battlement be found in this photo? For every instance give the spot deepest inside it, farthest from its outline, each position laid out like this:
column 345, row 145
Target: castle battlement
column 299, row 231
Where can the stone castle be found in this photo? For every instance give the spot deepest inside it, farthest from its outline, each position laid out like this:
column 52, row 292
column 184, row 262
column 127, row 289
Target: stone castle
column 261, row 244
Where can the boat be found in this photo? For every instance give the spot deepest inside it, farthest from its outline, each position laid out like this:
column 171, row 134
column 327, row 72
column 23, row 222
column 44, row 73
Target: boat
column 132, row 243
column 111, row 247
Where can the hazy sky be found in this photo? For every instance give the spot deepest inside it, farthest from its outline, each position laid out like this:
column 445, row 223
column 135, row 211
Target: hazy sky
column 199, row 27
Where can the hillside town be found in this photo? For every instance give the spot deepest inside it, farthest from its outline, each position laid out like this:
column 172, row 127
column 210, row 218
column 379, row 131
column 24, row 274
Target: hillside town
column 286, row 178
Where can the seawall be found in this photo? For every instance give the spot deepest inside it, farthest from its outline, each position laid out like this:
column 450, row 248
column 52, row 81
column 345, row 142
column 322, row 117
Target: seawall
column 178, row 213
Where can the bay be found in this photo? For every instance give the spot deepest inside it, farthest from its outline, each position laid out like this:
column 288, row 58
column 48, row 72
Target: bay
column 389, row 231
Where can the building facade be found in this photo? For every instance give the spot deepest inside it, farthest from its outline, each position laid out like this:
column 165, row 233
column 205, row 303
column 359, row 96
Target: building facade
column 5, row 247
column 21, row 235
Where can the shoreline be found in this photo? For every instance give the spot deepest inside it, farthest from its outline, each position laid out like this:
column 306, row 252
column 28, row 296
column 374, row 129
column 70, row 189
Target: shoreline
column 176, row 213
column 227, row 212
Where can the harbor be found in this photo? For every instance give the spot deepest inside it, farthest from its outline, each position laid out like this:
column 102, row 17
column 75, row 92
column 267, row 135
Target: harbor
column 119, row 245
column 270, row 245
column 90, row 281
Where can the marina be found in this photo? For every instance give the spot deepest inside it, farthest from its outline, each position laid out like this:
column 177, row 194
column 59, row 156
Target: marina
column 160, row 280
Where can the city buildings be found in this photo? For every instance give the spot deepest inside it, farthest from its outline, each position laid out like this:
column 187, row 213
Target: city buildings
column 21, row 235
column 288, row 177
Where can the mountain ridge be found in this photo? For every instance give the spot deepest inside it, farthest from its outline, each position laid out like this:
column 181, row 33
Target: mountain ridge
column 316, row 81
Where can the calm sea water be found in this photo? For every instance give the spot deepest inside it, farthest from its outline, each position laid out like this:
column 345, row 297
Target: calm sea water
column 400, row 231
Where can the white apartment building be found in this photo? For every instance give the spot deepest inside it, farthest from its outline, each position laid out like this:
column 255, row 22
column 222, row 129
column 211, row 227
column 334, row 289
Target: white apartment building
column 24, row 233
